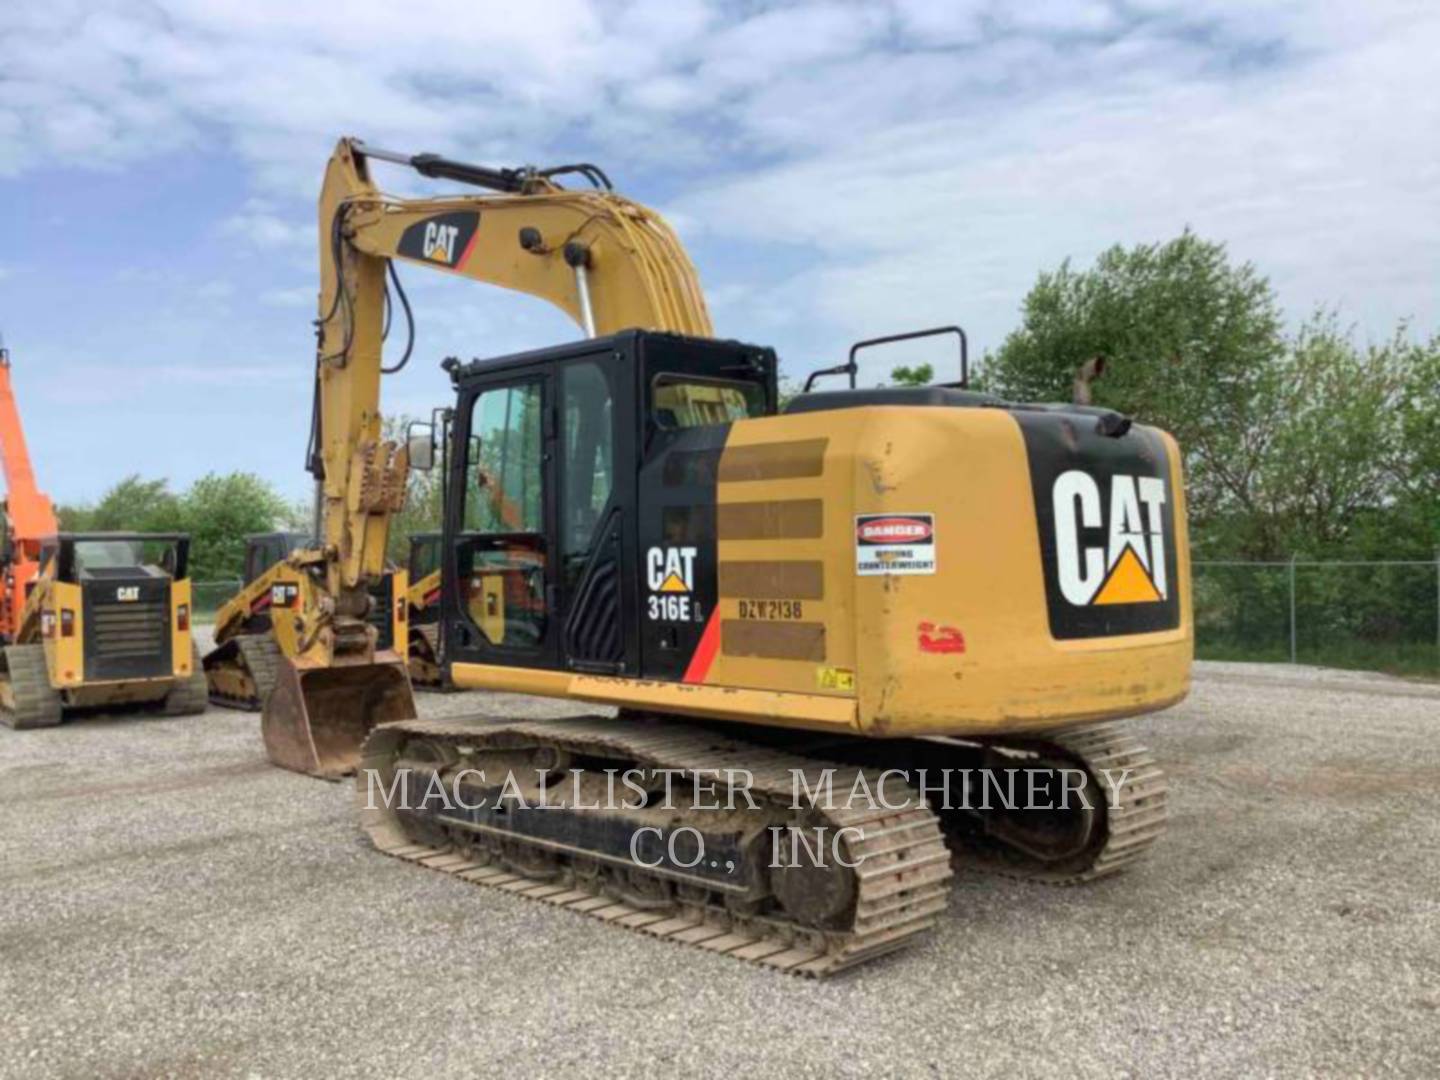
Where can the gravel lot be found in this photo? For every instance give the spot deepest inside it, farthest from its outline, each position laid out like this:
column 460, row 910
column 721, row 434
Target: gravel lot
column 171, row 905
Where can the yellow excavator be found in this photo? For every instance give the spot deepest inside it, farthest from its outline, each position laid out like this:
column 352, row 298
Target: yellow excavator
column 889, row 591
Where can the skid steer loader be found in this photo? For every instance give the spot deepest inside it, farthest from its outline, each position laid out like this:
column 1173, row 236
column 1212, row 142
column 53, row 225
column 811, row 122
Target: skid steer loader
column 256, row 628
column 424, row 596
column 106, row 624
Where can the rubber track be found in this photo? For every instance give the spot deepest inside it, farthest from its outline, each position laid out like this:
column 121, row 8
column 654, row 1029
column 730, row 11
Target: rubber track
column 902, row 879
column 189, row 698
column 1136, row 813
column 431, row 633
column 37, row 703
column 260, row 657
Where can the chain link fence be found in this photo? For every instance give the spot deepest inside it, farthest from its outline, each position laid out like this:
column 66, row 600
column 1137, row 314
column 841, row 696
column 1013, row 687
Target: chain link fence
column 207, row 596
column 1381, row 616
column 1375, row 615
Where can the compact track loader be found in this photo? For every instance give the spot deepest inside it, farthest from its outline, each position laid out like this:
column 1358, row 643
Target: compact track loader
column 424, row 655
column 87, row 620
column 256, row 628
column 106, row 624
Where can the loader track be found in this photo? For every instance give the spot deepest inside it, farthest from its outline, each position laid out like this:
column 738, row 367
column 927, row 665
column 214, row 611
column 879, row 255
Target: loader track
column 189, row 696
column 894, row 894
column 1132, row 788
column 248, row 661
column 425, row 672
column 27, row 699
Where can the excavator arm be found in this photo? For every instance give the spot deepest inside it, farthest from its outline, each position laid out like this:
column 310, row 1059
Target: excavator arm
column 607, row 262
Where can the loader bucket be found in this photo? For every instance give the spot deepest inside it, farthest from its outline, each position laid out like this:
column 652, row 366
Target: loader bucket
column 316, row 719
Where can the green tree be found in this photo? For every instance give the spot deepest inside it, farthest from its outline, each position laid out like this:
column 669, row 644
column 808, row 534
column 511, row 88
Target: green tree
column 919, row 375
column 131, row 505
column 423, row 511
column 1349, row 470
column 218, row 512
column 1191, row 343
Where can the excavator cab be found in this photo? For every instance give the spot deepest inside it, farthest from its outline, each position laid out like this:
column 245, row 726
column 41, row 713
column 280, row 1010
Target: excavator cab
column 638, row 524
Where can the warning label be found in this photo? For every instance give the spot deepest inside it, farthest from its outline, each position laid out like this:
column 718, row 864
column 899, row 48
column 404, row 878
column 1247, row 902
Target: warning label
column 894, row 544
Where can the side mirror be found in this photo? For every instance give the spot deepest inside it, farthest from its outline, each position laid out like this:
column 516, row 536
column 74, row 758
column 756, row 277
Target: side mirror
column 420, row 442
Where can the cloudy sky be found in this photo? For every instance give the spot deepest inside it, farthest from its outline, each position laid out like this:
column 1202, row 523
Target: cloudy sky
column 837, row 170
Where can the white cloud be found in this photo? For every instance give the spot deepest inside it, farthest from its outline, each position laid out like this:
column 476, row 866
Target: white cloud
column 215, row 290
column 257, row 224
column 903, row 163
column 299, row 297
column 1323, row 169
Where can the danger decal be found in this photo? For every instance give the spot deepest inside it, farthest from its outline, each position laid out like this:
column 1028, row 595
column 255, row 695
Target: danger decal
column 894, row 544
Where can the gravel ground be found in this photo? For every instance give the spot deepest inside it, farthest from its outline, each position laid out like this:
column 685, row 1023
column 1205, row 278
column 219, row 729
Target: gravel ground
column 174, row 906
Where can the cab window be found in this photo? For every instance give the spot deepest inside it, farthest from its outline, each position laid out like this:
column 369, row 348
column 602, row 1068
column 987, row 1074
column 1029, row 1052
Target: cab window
column 687, row 401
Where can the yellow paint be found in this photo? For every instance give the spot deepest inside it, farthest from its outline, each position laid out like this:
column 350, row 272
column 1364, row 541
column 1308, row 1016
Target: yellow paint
column 180, row 650
column 1128, row 583
column 491, row 600
column 969, row 468
column 400, row 611
column 67, row 658
column 754, row 706
column 673, row 584
column 832, row 678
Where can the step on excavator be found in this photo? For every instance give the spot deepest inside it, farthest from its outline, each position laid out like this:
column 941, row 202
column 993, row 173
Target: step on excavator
column 89, row 620
column 255, row 628
column 873, row 590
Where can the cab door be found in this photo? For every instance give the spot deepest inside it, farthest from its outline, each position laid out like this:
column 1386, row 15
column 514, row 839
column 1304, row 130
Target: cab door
column 501, row 571
column 595, row 542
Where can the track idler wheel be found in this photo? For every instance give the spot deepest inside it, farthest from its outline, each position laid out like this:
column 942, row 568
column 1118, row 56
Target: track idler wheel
column 316, row 719
column 814, row 887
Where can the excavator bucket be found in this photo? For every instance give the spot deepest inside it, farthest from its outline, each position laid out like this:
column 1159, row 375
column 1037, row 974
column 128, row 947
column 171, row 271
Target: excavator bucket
column 316, row 719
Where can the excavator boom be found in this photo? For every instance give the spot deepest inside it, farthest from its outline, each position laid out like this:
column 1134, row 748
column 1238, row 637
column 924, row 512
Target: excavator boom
column 607, row 262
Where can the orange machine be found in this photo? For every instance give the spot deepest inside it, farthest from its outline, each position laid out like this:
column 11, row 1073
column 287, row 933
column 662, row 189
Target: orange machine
column 28, row 513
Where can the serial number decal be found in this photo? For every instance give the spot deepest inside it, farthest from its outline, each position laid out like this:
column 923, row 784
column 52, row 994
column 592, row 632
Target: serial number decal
column 668, row 608
column 771, row 609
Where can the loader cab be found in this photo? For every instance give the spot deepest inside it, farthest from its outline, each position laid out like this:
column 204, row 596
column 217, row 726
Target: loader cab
column 264, row 550
column 117, row 603
column 575, row 516
column 424, row 566
column 425, row 551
